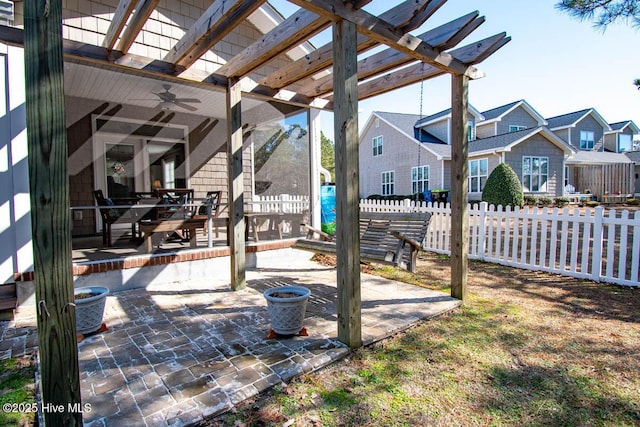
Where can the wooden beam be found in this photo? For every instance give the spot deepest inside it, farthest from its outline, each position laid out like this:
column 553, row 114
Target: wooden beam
column 384, row 32
column 459, row 185
column 322, row 58
column 216, row 22
column 443, row 37
column 347, row 186
column 297, row 28
column 135, row 24
column 401, row 78
column 50, row 222
column 481, row 50
column 123, row 10
column 236, row 186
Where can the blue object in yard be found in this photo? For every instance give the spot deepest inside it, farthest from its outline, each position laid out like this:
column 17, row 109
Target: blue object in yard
column 328, row 208
column 427, row 196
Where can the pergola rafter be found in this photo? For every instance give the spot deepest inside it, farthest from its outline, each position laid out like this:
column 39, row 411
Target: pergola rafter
column 354, row 31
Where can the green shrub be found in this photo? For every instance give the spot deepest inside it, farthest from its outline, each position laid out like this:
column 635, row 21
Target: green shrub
column 591, row 203
column 530, row 200
column 633, row 202
column 561, row 202
column 503, row 187
column 545, row 201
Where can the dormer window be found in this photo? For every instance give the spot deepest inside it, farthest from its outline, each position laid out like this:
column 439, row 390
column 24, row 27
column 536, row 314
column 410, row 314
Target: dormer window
column 586, row 140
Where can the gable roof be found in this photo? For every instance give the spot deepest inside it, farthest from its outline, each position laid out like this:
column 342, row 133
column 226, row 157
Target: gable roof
column 572, row 119
column 620, row 126
column 497, row 113
column 506, row 141
column 402, row 121
column 445, row 114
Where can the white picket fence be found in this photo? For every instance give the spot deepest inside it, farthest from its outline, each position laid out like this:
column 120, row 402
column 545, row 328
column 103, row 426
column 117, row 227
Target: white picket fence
column 286, row 203
column 594, row 244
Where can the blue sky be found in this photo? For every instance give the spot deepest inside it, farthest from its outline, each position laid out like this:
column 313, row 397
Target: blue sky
column 555, row 62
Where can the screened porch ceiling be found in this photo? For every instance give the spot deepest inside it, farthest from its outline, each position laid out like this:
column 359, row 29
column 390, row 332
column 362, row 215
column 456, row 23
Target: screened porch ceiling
column 110, row 72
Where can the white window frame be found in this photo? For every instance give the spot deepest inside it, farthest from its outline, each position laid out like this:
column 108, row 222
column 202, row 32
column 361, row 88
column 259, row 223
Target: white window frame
column 418, row 183
column 588, row 137
column 478, row 175
column 471, row 131
column 533, row 174
column 377, row 142
column 388, row 180
column 516, row 128
column 619, row 148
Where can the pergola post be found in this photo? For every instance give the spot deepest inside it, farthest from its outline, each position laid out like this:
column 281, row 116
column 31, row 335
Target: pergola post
column 345, row 85
column 49, row 189
column 236, row 186
column 459, row 185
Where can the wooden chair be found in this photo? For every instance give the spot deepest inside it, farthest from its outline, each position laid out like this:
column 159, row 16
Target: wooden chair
column 213, row 199
column 108, row 215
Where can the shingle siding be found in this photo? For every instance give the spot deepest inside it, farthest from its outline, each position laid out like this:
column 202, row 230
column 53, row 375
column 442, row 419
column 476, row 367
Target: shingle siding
column 87, row 21
column 517, row 117
column 440, row 130
column 587, row 124
column 539, row 146
column 399, row 154
column 486, row 130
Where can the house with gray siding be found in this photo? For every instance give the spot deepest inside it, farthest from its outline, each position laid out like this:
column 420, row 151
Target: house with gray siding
column 403, row 154
column 597, row 166
column 583, row 130
column 620, row 138
column 511, row 117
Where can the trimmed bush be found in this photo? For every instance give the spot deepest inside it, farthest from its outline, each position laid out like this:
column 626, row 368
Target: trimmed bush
column 530, row 200
column 591, row 203
column 545, row 201
column 561, row 202
column 503, row 187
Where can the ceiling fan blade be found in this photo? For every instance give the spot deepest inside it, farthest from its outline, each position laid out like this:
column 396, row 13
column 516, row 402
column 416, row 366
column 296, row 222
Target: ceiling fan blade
column 186, row 106
column 192, row 100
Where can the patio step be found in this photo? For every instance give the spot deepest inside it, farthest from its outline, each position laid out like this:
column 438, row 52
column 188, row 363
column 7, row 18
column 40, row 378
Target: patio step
column 8, row 301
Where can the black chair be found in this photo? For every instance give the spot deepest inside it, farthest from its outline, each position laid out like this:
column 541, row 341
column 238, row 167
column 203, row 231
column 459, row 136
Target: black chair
column 108, row 214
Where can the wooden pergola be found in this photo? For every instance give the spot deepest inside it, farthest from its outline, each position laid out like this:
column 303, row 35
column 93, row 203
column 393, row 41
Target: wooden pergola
column 407, row 59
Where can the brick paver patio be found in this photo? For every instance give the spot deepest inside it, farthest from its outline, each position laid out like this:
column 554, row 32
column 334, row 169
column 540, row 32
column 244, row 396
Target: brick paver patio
column 176, row 354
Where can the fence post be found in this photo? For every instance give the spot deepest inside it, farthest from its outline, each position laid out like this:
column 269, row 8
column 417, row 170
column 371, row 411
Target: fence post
column 482, row 230
column 598, row 241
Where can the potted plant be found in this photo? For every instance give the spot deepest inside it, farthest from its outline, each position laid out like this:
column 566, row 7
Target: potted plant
column 90, row 302
column 287, row 306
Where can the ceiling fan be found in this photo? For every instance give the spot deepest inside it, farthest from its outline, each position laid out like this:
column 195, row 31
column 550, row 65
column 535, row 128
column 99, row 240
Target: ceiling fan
column 169, row 100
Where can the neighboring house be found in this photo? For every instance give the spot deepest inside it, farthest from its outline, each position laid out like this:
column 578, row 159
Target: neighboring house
column 583, row 130
column 597, row 167
column 620, row 138
column 512, row 117
column 403, row 154
column 394, row 162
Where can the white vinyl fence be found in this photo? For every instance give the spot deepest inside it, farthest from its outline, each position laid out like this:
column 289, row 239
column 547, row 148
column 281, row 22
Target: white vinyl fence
column 594, row 244
column 286, row 203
